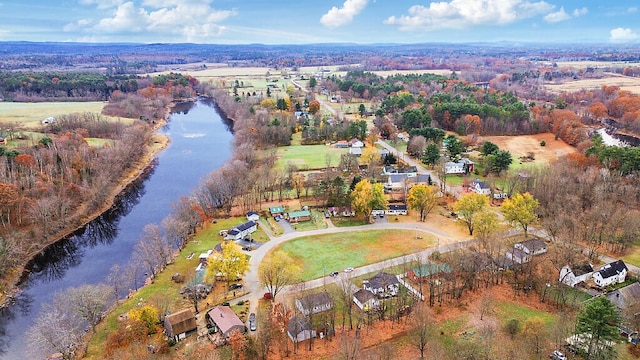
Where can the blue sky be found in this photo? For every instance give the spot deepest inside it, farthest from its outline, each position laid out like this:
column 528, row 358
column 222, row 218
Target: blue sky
column 320, row 21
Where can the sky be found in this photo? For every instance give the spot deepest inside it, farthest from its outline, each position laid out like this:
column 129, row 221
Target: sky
column 321, row 21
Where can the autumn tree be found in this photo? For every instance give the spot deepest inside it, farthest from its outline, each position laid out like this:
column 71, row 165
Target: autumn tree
column 469, row 206
column 534, row 330
column 366, row 197
column 423, row 198
column 148, row 315
column 230, row 262
column 520, row 211
column 314, row 107
column 277, row 271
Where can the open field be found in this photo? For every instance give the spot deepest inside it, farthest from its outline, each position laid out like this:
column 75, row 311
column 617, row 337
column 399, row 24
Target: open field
column 32, row 114
column 334, row 252
column 597, row 64
column 524, row 144
column 308, row 156
column 624, row 82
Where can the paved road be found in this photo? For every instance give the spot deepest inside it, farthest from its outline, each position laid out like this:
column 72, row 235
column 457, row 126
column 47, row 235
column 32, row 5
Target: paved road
column 256, row 290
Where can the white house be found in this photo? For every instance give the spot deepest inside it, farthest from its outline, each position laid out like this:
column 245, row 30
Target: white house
column 462, row 166
column 355, row 151
column 242, row 231
column 299, row 329
column 615, row 272
column 573, row 276
column 365, row 300
column 532, row 246
column 480, row 187
column 382, row 283
column 355, row 143
column 397, row 210
column 314, row 303
column 253, row 216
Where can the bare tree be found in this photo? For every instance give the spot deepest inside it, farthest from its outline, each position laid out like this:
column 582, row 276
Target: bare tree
column 423, row 327
column 88, row 302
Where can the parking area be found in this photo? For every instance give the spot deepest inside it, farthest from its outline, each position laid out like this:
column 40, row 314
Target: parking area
column 286, row 226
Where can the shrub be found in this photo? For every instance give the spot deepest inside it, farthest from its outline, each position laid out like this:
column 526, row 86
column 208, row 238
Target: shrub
column 543, row 143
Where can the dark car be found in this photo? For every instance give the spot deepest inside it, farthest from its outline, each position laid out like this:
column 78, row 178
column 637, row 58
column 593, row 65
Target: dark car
column 335, row 273
column 235, row 286
column 252, row 322
column 247, row 248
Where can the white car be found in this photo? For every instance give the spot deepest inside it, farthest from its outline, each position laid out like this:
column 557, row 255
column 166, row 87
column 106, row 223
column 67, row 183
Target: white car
column 557, row 355
column 348, row 270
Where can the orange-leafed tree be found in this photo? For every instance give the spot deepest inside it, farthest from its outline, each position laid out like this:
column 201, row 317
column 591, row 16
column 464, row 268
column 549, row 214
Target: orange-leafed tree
column 314, row 107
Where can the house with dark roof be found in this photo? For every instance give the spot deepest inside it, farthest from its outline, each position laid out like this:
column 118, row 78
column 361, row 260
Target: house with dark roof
column 382, row 283
column 225, row 320
column 533, row 246
column 314, row 303
column 365, row 300
column 299, row 329
column 518, row 256
column 242, row 231
column 612, row 273
column 425, row 271
column 253, row 216
column 625, row 297
column 178, row 324
column 576, row 274
column 397, row 209
column 480, row 187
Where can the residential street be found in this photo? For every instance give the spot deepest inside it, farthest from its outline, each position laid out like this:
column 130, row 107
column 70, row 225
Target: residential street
column 447, row 242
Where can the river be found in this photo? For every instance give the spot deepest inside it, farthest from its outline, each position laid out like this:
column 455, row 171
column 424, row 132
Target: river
column 200, row 143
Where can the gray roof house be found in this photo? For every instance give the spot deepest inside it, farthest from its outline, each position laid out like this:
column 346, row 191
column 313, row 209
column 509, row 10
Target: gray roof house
column 299, row 329
column 365, row 300
column 382, row 283
column 615, row 272
column 314, row 303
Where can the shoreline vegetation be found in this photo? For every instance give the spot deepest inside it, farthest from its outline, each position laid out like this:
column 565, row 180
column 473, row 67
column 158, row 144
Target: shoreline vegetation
column 143, row 165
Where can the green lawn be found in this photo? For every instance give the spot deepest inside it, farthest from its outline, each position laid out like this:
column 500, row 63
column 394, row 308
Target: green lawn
column 398, row 144
column 318, row 255
column 633, row 257
column 316, row 222
column 510, row 310
column 307, row 157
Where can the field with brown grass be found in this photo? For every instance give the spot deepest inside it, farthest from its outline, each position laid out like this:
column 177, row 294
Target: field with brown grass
column 624, row 82
column 524, row 145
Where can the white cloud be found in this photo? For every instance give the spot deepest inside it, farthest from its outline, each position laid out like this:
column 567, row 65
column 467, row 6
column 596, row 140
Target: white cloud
column 623, row 35
column 580, row 12
column 557, row 16
column 337, row 17
column 632, row 10
column 159, row 17
column 102, row 4
column 456, row 14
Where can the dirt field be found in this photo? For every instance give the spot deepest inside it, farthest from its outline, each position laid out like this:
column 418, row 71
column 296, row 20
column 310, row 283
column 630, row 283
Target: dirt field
column 624, row 82
column 523, row 145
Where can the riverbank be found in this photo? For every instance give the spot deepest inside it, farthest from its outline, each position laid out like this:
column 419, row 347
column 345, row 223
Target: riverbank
column 144, row 164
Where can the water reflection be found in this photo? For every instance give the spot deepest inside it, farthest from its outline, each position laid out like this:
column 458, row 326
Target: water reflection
column 20, row 304
column 55, row 260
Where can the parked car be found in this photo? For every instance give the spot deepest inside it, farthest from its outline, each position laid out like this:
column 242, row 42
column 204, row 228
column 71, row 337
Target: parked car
column 348, row 270
column 235, row 286
column 247, row 248
column 335, row 273
column 252, row 322
column 557, row 355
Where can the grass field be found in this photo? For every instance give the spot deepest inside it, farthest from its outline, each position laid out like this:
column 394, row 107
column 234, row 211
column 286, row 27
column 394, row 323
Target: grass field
column 334, row 252
column 32, row 114
column 306, row 157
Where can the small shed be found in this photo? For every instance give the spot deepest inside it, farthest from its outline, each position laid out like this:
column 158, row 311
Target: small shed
column 178, row 324
column 253, row 216
column 299, row 329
